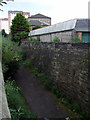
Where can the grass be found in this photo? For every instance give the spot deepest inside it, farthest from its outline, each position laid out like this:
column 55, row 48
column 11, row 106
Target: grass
column 17, row 104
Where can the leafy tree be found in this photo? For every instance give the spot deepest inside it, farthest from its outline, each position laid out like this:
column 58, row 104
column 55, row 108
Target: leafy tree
column 3, row 33
column 19, row 28
column 36, row 27
column 1, row 4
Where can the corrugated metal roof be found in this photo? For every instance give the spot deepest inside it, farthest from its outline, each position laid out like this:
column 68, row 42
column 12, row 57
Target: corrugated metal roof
column 68, row 25
column 83, row 25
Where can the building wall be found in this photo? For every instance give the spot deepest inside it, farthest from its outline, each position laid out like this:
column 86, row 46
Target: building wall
column 4, row 25
column 12, row 14
column 62, row 36
column 66, row 64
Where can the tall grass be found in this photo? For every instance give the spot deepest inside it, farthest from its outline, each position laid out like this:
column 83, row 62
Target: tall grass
column 17, row 104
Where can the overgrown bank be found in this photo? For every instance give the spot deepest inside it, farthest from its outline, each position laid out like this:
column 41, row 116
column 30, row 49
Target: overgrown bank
column 12, row 58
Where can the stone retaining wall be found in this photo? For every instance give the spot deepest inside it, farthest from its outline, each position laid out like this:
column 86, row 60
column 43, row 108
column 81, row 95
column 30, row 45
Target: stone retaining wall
column 66, row 64
column 4, row 111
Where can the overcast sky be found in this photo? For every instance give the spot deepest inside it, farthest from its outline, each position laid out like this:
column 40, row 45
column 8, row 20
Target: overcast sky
column 58, row 10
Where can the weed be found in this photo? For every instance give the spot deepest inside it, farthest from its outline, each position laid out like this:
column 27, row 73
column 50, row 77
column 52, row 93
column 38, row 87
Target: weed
column 32, row 40
column 56, row 40
column 17, row 105
column 76, row 40
column 75, row 107
column 48, row 83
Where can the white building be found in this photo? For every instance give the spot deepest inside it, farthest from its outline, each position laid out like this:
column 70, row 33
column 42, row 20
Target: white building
column 4, row 24
column 12, row 14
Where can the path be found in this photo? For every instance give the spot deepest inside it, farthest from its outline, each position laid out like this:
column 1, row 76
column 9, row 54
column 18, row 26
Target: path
column 40, row 100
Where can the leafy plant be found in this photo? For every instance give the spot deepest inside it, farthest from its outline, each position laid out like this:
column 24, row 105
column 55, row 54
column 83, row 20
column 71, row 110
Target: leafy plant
column 56, row 40
column 75, row 107
column 32, row 40
column 76, row 40
column 85, row 115
column 3, row 33
column 17, row 105
column 11, row 57
column 36, row 27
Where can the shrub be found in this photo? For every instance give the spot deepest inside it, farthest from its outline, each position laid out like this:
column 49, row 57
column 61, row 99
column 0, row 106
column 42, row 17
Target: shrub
column 3, row 33
column 76, row 40
column 11, row 57
column 56, row 40
column 36, row 27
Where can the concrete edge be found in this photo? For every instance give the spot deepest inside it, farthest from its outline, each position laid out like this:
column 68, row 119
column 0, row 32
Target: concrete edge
column 4, row 110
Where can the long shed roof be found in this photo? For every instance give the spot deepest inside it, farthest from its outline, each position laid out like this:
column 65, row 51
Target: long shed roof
column 75, row 24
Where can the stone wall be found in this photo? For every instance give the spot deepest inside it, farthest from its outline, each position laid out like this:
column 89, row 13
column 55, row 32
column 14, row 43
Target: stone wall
column 4, row 111
column 66, row 64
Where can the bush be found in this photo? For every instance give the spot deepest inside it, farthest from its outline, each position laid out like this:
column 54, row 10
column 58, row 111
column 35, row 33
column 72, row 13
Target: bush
column 11, row 57
column 3, row 33
column 76, row 40
column 36, row 27
column 56, row 40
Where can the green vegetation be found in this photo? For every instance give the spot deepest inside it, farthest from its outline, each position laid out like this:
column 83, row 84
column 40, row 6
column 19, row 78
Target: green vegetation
column 1, row 4
column 3, row 33
column 19, row 28
column 36, row 27
column 56, row 40
column 17, row 104
column 76, row 40
column 11, row 57
column 76, row 111
column 32, row 40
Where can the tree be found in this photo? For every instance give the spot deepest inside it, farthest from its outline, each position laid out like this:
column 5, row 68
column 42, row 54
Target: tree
column 36, row 27
column 1, row 4
column 3, row 33
column 19, row 28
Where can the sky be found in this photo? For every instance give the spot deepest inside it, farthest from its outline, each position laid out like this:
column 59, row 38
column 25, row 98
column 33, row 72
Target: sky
column 58, row 10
